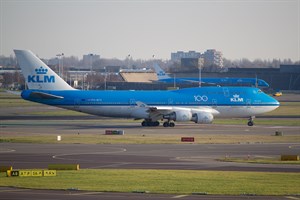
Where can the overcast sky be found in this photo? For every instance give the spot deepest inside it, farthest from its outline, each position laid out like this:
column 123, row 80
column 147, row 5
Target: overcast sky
column 240, row 29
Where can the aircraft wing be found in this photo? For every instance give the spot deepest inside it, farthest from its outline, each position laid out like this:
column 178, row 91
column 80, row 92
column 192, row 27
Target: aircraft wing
column 157, row 112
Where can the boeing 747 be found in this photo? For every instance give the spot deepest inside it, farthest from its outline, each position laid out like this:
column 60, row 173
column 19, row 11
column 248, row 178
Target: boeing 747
column 200, row 105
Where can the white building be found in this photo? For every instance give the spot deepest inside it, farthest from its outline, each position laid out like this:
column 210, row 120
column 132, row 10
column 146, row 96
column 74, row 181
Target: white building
column 212, row 57
column 180, row 54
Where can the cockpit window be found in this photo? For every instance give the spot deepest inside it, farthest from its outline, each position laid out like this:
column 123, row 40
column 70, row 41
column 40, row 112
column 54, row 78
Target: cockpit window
column 259, row 91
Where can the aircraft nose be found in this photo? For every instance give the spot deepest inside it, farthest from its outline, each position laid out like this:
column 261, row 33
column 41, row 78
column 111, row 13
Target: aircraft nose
column 275, row 102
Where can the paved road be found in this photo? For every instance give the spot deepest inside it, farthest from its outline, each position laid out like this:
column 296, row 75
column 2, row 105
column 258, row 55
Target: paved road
column 129, row 156
column 18, row 193
column 147, row 156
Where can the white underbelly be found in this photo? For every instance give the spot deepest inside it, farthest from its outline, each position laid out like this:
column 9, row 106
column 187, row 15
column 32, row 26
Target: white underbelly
column 108, row 111
column 242, row 111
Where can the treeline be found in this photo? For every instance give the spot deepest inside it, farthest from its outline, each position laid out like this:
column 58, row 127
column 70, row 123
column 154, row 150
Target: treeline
column 257, row 63
column 75, row 62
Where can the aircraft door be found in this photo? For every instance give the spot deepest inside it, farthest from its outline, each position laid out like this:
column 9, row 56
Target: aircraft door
column 170, row 101
column 248, row 103
column 214, row 103
column 76, row 104
column 226, row 92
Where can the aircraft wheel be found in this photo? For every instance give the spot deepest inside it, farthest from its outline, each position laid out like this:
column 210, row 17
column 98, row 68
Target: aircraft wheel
column 172, row 124
column 166, row 124
column 156, row 123
column 144, row 123
column 250, row 123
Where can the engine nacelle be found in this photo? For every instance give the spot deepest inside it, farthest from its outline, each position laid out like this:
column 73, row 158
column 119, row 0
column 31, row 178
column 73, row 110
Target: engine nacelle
column 203, row 118
column 182, row 115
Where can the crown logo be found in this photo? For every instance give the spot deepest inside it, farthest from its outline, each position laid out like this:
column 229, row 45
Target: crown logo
column 41, row 70
column 236, row 96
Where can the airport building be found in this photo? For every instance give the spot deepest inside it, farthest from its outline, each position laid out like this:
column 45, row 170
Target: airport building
column 89, row 59
column 175, row 57
column 142, row 76
column 212, row 57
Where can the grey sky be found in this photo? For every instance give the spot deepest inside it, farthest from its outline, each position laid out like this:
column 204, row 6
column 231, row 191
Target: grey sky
column 240, row 29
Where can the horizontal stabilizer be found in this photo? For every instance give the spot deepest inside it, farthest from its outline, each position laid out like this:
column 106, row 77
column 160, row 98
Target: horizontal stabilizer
column 42, row 95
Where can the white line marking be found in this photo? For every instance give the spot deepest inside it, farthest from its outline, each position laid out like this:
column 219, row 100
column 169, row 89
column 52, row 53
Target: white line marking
column 295, row 198
column 179, row 196
column 77, row 154
column 6, row 150
column 86, row 193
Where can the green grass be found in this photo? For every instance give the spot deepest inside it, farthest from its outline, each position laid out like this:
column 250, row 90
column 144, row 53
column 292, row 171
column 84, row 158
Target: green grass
column 260, row 160
column 58, row 112
column 144, row 138
column 260, row 121
column 286, row 109
column 15, row 102
column 165, row 181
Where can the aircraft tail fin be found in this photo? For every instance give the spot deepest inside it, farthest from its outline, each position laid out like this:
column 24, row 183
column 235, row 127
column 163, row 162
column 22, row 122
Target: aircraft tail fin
column 37, row 74
column 161, row 74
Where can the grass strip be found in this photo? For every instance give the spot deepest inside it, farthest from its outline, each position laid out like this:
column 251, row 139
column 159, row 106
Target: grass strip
column 260, row 161
column 147, row 138
column 257, row 121
column 165, row 181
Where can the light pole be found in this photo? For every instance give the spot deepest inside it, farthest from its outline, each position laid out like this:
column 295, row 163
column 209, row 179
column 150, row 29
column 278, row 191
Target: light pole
column 128, row 58
column 200, row 66
column 91, row 69
column 105, row 76
column 60, row 64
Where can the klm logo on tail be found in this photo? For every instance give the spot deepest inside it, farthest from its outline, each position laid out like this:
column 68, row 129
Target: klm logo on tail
column 41, row 76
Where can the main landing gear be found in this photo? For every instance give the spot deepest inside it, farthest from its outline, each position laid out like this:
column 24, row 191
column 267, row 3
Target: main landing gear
column 250, row 121
column 150, row 123
column 168, row 124
column 156, row 123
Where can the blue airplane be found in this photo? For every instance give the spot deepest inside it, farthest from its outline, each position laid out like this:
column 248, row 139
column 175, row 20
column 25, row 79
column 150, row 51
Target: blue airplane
column 200, row 105
column 226, row 81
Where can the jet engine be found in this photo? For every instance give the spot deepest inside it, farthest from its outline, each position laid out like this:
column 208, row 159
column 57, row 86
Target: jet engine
column 202, row 118
column 182, row 115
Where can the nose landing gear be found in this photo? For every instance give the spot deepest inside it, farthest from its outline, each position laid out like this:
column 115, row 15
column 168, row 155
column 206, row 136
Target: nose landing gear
column 250, row 121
